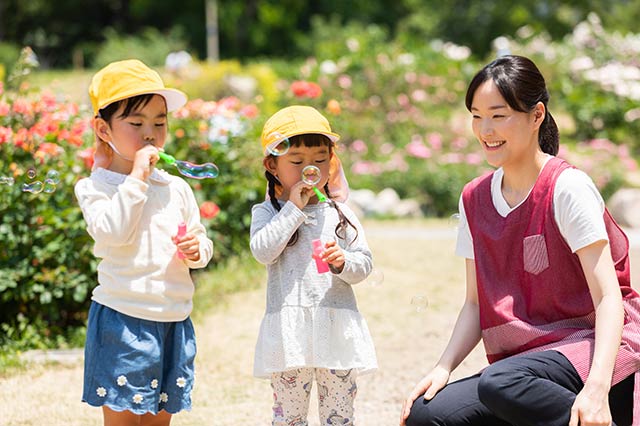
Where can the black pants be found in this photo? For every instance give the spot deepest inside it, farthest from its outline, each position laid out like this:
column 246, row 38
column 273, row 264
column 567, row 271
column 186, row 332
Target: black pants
column 533, row 389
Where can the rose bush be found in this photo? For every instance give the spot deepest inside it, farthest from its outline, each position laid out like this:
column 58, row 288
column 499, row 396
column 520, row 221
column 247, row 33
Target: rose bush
column 47, row 269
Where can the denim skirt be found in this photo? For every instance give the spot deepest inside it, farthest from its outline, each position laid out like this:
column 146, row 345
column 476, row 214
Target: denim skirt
column 138, row 365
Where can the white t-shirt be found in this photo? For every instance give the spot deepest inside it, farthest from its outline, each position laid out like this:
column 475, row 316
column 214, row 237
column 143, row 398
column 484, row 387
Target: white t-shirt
column 577, row 204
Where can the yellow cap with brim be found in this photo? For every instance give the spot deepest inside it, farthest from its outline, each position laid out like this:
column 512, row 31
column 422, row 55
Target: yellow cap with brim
column 125, row 79
column 292, row 121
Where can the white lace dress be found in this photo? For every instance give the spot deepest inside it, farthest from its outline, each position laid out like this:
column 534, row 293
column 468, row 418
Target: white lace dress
column 311, row 319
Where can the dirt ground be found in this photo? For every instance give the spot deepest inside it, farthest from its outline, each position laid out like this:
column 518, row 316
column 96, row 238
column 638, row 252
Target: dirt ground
column 414, row 260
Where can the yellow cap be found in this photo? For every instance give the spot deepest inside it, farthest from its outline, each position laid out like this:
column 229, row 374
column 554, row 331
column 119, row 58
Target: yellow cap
column 125, row 79
column 291, row 121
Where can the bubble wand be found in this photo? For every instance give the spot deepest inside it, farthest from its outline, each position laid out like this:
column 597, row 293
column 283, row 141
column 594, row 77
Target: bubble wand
column 191, row 170
column 311, row 175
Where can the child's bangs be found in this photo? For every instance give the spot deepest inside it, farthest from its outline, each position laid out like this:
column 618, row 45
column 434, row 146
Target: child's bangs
column 310, row 140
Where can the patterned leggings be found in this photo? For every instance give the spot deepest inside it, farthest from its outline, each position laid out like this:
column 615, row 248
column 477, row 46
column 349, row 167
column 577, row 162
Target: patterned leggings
column 336, row 394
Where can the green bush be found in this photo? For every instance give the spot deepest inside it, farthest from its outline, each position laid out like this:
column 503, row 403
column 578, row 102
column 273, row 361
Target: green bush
column 46, row 266
column 255, row 82
column 399, row 106
column 223, row 133
column 150, row 46
column 9, row 54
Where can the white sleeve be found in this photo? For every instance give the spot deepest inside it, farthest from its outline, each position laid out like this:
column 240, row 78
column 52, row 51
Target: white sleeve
column 578, row 209
column 464, row 242
column 112, row 220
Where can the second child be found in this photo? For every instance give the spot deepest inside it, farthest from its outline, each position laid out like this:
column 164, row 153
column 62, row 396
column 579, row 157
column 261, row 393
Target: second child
column 312, row 327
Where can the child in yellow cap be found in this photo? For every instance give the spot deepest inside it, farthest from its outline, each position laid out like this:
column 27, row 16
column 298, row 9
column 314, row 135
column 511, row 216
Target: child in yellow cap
column 140, row 344
column 312, row 327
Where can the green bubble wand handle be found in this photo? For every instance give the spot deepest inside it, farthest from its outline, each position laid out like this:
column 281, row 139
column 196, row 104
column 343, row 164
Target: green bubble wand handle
column 311, row 175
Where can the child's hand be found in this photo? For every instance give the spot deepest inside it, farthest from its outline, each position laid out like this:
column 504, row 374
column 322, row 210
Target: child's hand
column 333, row 255
column 188, row 245
column 300, row 194
column 144, row 161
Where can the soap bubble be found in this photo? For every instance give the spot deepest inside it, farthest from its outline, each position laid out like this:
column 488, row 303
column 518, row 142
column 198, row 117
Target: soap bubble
column 311, row 175
column 419, row 302
column 7, row 180
column 454, row 220
column 54, row 176
column 277, row 144
column 31, row 173
column 375, row 278
column 34, row 187
column 49, row 186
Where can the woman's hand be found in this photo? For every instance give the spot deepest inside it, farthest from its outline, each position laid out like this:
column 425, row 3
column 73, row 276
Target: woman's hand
column 189, row 245
column 591, row 407
column 427, row 387
column 333, row 255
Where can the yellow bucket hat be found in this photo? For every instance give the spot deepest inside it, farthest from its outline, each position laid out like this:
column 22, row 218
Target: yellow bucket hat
column 300, row 120
column 292, row 121
column 125, row 79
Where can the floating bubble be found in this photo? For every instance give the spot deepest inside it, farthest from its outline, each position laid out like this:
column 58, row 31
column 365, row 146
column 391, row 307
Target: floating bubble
column 31, row 173
column 54, row 176
column 375, row 278
column 49, row 186
column 311, row 175
column 419, row 302
column 454, row 220
column 188, row 169
column 197, row 171
column 277, row 144
column 34, row 187
column 7, row 180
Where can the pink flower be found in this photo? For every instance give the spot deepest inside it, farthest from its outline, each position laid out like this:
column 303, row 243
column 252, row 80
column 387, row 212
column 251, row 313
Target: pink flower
column 4, row 109
column 86, row 155
column 358, row 146
column 209, row 210
column 5, row 134
column 435, row 140
column 249, row 111
column 305, row 89
column 418, row 149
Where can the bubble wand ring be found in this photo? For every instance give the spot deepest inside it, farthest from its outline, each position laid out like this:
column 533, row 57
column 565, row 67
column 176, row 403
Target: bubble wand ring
column 311, row 176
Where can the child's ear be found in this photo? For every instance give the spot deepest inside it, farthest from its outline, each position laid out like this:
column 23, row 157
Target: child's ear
column 270, row 164
column 102, row 129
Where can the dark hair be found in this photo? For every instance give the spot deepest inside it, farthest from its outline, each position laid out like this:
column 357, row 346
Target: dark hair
column 130, row 105
column 310, row 140
column 522, row 85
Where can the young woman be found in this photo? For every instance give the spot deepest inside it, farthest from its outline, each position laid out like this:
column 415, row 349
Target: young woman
column 548, row 286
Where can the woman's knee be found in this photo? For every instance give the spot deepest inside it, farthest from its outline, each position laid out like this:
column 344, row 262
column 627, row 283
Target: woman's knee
column 422, row 413
column 494, row 386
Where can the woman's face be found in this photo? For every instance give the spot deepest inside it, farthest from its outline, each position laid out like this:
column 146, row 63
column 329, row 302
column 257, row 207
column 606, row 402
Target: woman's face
column 507, row 136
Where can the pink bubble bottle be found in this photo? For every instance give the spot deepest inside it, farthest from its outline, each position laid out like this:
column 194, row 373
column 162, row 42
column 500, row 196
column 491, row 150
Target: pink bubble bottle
column 321, row 265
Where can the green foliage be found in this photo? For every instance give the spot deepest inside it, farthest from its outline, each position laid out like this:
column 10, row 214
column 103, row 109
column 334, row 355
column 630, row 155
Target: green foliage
column 398, row 107
column 253, row 82
column 150, row 46
column 46, row 265
column 223, row 133
column 9, row 54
